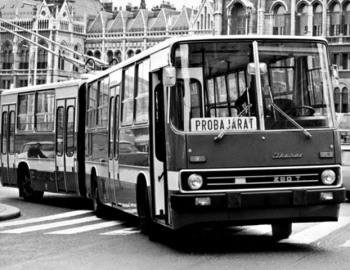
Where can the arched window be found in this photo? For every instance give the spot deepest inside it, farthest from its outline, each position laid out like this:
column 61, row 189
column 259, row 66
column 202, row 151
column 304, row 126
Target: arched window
column 317, row 20
column 345, row 99
column 131, row 53
column 346, row 22
column 279, row 14
column 302, row 20
column 61, row 61
column 42, row 56
column 109, row 56
column 238, row 25
column 24, row 57
column 337, row 99
column 118, row 55
column 97, row 54
column 76, row 56
column 335, row 19
column 138, row 51
column 7, row 56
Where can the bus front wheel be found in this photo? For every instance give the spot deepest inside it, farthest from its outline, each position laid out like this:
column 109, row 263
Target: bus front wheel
column 281, row 230
column 26, row 189
column 144, row 212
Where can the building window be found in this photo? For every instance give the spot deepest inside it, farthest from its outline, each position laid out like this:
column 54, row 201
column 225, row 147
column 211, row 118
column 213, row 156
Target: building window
column 335, row 20
column 345, row 61
column 42, row 57
column 279, row 20
column 317, row 20
column 24, row 57
column 302, row 20
column 238, row 20
column 61, row 61
column 7, row 56
column 346, row 22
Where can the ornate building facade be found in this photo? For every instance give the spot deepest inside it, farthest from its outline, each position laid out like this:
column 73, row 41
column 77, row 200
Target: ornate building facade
column 85, row 26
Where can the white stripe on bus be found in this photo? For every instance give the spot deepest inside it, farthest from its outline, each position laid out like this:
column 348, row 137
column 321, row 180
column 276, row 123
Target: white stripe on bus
column 88, row 228
column 52, row 225
column 46, row 218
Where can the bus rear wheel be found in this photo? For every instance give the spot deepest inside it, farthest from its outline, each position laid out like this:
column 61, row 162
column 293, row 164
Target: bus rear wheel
column 26, row 189
column 98, row 207
column 281, row 230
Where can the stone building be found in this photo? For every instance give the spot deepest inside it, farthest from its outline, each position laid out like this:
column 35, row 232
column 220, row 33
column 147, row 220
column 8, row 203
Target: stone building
column 85, row 26
column 58, row 20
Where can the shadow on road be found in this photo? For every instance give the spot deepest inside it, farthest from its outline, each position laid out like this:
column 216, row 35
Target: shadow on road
column 223, row 240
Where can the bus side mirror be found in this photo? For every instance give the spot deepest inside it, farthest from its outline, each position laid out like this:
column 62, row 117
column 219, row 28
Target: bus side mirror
column 262, row 67
column 169, row 76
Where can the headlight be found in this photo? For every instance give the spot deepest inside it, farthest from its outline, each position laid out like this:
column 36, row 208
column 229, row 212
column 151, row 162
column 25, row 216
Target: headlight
column 195, row 181
column 328, row 177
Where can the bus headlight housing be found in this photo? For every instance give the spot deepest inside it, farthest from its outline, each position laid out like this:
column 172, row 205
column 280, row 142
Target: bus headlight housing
column 195, row 181
column 328, row 177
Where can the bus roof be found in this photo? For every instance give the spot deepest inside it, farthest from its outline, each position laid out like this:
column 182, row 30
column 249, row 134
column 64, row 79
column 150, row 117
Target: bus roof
column 165, row 44
column 42, row 87
column 171, row 41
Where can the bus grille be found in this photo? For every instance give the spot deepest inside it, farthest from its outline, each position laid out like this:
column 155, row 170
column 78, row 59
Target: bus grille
column 239, row 179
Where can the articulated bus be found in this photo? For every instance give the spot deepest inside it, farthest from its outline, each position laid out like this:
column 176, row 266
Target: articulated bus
column 233, row 130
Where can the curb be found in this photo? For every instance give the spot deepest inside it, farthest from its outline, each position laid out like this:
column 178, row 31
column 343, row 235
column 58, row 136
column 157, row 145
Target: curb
column 8, row 212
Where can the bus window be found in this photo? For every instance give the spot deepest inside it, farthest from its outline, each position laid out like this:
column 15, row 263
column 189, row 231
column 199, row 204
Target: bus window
column 102, row 107
column 4, row 133
column 12, row 133
column 59, row 130
column 70, row 132
column 142, row 93
column 92, row 105
column 128, row 97
column 44, row 112
column 111, row 128
column 25, row 121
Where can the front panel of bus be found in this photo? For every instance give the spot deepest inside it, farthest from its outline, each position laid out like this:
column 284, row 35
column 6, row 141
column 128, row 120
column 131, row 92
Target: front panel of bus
column 252, row 135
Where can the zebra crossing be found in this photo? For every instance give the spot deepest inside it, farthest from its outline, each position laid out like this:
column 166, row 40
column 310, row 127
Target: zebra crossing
column 83, row 221
column 78, row 219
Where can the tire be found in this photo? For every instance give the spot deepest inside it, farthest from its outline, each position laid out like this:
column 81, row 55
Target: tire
column 97, row 206
column 26, row 189
column 147, row 226
column 281, row 230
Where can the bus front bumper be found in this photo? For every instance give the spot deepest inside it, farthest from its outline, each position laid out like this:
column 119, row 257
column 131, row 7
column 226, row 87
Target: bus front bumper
column 248, row 208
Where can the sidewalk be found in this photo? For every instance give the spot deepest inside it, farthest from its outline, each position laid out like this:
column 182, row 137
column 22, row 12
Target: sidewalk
column 8, row 212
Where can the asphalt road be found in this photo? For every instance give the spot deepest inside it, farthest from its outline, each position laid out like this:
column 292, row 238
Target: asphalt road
column 61, row 232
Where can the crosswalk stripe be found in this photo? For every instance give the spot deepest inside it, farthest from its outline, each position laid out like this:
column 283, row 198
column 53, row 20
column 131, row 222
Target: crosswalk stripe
column 126, row 231
column 314, row 233
column 46, row 218
column 52, row 225
column 88, row 228
column 346, row 244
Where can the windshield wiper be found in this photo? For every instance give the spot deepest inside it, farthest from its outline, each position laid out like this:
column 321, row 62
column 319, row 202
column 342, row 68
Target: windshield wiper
column 307, row 134
column 223, row 132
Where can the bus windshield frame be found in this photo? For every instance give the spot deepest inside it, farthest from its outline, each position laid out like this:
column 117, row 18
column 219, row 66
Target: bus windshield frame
column 212, row 79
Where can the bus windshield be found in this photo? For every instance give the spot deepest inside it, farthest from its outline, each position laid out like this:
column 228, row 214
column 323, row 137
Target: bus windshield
column 215, row 89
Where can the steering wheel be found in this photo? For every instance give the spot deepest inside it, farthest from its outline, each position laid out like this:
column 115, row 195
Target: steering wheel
column 298, row 111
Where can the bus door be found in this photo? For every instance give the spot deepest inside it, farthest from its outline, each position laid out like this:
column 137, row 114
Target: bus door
column 159, row 173
column 8, row 172
column 66, row 165
column 113, row 162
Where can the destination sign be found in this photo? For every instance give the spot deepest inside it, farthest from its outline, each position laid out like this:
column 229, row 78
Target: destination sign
column 221, row 123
